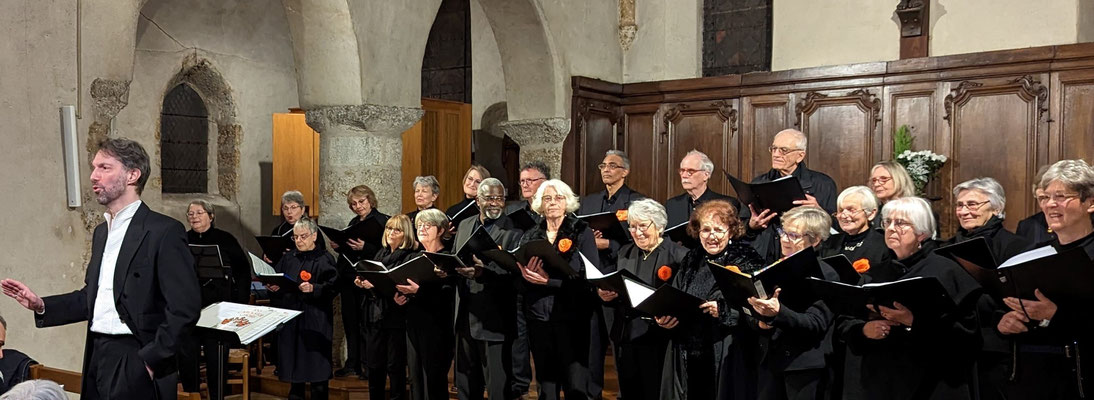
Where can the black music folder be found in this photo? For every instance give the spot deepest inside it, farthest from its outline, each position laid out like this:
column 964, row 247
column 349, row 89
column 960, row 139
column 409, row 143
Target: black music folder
column 273, row 247
column 369, row 230
column 365, row 264
column 789, row 272
column 481, row 245
column 608, row 224
column 663, row 301
column 284, row 282
column 777, row 195
column 553, row 262
column 924, row 296
column 522, row 219
column 612, row 281
column 468, row 211
column 419, row 269
column 447, row 262
column 1066, row 277
column 679, row 234
column 844, row 268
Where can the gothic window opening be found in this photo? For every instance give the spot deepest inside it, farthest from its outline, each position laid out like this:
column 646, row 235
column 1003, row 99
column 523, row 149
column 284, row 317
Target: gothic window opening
column 184, row 142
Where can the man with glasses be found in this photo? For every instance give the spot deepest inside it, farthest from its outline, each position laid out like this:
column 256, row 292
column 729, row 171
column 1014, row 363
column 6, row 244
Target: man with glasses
column 695, row 171
column 532, row 175
column 788, row 152
column 486, row 307
column 616, row 197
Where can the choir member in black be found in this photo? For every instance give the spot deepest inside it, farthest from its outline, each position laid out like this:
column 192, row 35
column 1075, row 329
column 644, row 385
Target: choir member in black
column 788, row 159
column 471, row 181
column 1034, row 228
column 695, row 172
column 486, row 312
column 362, row 200
column 426, row 190
column 639, row 344
column 1051, row 337
column 615, row 197
column 558, row 307
column 532, row 175
column 794, row 329
column 713, row 356
column 856, row 209
column 237, row 289
column 889, row 181
column 293, row 209
column 304, row 343
column 384, row 323
column 429, row 316
column 900, row 355
column 979, row 204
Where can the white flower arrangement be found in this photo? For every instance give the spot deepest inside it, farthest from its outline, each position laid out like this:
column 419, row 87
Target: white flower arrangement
column 921, row 165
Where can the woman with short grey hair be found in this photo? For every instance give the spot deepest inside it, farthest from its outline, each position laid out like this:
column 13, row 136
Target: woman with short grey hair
column 37, row 389
column 856, row 213
column 891, row 359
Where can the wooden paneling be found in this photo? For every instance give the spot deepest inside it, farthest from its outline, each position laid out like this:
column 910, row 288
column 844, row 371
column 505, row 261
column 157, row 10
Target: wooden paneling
column 1073, row 102
column 763, row 117
column 295, row 160
column 438, row 145
column 644, row 146
column 710, row 127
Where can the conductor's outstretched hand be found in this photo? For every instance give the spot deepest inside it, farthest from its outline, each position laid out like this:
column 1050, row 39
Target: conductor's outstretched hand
column 22, row 294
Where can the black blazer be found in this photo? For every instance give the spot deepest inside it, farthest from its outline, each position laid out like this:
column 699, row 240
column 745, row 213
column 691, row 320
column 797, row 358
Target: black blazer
column 679, row 208
column 487, row 305
column 591, row 204
column 813, row 183
column 156, row 290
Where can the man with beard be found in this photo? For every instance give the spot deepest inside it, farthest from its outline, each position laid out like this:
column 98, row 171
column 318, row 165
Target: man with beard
column 486, row 307
column 141, row 294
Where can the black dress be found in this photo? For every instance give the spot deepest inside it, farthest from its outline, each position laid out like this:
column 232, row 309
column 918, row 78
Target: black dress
column 384, row 328
column 712, row 358
column 431, row 343
column 558, row 315
column 640, row 344
column 933, row 359
column 351, row 296
column 304, row 343
column 869, row 245
column 995, row 359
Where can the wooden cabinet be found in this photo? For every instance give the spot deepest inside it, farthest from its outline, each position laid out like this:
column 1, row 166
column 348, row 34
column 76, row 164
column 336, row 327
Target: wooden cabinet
column 438, row 145
column 295, row 160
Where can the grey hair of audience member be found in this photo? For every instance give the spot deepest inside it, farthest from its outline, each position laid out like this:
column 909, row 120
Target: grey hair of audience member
column 704, row 161
column 308, row 224
column 867, row 199
column 648, row 210
column 205, row 205
column 815, row 222
column 538, row 166
column 1077, row 175
column 561, row 188
column 621, row 154
column 37, row 389
column 801, row 142
column 997, row 198
column 293, row 196
column 484, row 187
column 428, row 181
column 916, row 210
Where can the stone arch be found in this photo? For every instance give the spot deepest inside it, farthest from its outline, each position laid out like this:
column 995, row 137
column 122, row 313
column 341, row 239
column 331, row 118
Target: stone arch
column 200, row 75
column 534, row 84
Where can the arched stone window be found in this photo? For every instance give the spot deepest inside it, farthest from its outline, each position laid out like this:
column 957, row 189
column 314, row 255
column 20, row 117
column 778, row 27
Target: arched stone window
column 184, row 141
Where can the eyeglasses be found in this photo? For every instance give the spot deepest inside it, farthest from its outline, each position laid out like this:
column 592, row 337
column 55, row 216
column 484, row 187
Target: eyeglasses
column 608, row 166
column 689, row 171
column 713, row 232
column 899, row 224
column 422, row 227
column 473, row 180
column 559, row 198
column 641, row 228
column 290, row 207
column 492, row 199
column 969, row 205
column 1058, row 198
column 782, row 150
column 301, row 237
column 195, row 213
column 791, row 236
column 881, row 180
column 848, row 211
column 530, row 182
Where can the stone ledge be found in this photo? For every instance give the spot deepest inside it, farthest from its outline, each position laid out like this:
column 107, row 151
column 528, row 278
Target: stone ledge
column 371, row 118
column 530, row 132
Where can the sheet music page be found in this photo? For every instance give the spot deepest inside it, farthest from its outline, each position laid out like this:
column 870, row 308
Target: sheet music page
column 247, row 321
column 591, row 272
column 637, row 291
column 260, row 266
column 1029, row 255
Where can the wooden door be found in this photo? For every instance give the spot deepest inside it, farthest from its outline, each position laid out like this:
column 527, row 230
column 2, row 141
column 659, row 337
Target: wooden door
column 295, row 160
column 438, row 145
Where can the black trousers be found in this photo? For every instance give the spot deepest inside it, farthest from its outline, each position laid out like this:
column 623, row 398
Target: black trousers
column 522, row 360
column 639, row 365
column 352, row 301
column 319, row 390
column 561, row 354
column 806, row 384
column 386, row 349
column 116, row 371
column 429, row 355
column 1045, row 376
column 482, row 365
column 598, row 349
column 190, row 357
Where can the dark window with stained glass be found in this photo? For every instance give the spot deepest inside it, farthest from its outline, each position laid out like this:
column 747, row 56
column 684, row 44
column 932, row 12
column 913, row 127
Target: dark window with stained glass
column 736, row 36
column 446, row 66
column 184, row 141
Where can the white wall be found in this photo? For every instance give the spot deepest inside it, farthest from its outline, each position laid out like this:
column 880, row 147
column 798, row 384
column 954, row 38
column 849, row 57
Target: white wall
column 968, row 26
column 669, row 42
column 810, row 33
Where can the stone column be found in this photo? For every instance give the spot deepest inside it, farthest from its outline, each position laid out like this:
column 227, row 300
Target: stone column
column 360, row 144
column 539, row 139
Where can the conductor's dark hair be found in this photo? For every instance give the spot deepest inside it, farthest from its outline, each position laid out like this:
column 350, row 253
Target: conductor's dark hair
column 131, row 154
column 538, row 166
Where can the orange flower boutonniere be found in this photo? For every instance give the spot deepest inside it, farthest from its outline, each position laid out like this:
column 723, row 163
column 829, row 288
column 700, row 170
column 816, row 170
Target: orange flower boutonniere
column 734, row 268
column 621, row 215
column 664, row 273
column 861, row 265
column 564, row 245
column 305, row 276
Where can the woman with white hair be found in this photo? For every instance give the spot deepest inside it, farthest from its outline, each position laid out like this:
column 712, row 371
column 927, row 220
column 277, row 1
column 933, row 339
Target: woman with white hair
column 979, row 205
column 897, row 354
column 1051, row 336
column 558, row 308
column 856, row 209
column 639, row 343
column 37, row 389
